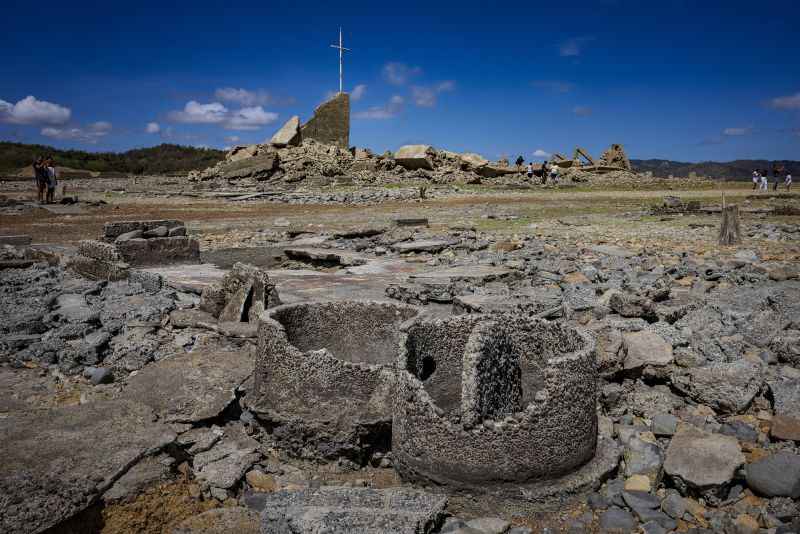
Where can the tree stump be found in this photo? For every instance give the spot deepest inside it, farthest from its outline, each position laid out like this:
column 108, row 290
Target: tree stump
column 729, row 231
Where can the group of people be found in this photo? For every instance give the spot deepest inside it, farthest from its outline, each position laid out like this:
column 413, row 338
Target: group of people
column 46, row 179
column 548, row 168
column 760, row 178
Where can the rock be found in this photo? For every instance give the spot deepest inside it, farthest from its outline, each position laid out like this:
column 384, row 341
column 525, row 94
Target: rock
column 645, row 348
column 673, row 504
column 653, row 527
column 776, row 475
column 73, row 308
column 739, row 430
column 259, row 166
column 289, row 134
column 489, row 525
column 785, row 427
column 628, row 305
column 62, row 460
column 415, row 157
column 643, row 457
column 664, row 424
column 191, row 387
column 226, row 462
column 261, row 481
column 159, row 231
column 726, row 387
column 785, row 389
column 744, row 524
column 192, row 319
column 341, row 509
column 141, row 475
column 638, row 483
column 330, row 124
column 127, row 236
column 240, row 152
column 617, row 520
column 243, row 293
column 702, row 460
column 102, row 375
column 176, row 231
column 614, row 156
column 598, row 502
column 641, row 499
column 234, row 519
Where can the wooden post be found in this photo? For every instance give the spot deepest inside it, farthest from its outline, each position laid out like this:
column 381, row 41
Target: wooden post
column 729, row 231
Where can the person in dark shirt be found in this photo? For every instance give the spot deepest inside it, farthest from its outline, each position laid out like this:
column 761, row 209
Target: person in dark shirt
column 519, row 162
column 40, row 173
column 777, row 169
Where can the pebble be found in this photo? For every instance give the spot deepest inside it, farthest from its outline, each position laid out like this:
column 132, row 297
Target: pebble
column 617, row 520
column 776, row 475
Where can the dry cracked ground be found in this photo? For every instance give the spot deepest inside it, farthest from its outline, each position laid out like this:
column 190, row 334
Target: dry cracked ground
column 124, row 405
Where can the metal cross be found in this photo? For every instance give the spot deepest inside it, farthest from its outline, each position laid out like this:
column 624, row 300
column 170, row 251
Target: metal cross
column 341, row 48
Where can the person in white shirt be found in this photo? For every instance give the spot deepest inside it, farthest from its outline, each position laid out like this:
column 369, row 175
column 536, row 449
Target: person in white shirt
column 554, row 172
column 52, row 180
column 530, row 170
column 755, row 179
column 763, row 180
column 788, row 181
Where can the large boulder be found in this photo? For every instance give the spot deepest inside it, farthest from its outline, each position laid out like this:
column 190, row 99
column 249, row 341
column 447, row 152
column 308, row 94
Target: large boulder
column 415, row 157
column 289, row 134
column 242, row 294
column 240, row 152
column 776, row 475
column 726, row 387
column 260, row 165
column 645, row 348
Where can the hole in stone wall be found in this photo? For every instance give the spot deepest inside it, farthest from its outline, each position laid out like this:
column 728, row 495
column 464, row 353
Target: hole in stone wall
column 428, row 368
column 248, row 303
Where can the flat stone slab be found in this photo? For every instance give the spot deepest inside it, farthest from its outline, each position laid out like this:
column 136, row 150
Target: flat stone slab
column 351, row 510
column 702, row 460
column 15, row 264
column 15, row 240
column 64, row 209
column 190, row 387
column 466, row 273
column 190, row 278
column 228, row 460
column 610, row 250
column 423, row 245
column 344, row 258
column 56, row 463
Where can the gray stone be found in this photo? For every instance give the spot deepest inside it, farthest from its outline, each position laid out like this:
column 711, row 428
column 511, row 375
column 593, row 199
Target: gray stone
column 73, row 309
column 628, row 305
column 785, row 389
column 776, row 475
column 640, row 499
column 185, row 388
column 342, row 510
column 645, row 348
column 178, row 231
column 158, row 231
column 240, row 152
column 102, row 375
column 226, row 462
column 617, row 520
column 15, row 240
column 739, row 430
column 726, row 387
column 423, row 245
column 62, row 460
column 415, row 157
column 289, row 134
column 127, row 236
column 260, row 166
column 489, row 525
column 597, row 501
column 643, row 457
column 138, row 477
column 673, row 504
column 664, row 424
column 653, row 527
column 330, row 124
column 702, row 460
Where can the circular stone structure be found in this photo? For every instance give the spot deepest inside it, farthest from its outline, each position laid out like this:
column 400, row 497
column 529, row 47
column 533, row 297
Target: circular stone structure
column 321, row 383
column 499, row 404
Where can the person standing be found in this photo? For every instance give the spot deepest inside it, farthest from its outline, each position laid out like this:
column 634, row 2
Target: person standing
column 763, row 186
column 755, row 179
column 40, row 174
column 777, row 169
column 530, row 170
column 545, row 171
column 788, row 181
column 52, row 179
column 519, row 162
column 554, row 173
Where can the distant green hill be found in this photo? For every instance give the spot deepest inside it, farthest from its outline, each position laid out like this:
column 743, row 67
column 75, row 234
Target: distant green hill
column 161, row 159
column 741, row 169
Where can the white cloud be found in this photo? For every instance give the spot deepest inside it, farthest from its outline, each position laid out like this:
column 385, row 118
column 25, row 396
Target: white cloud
column 395, row 106
column 573, row 47
column 791, row 102
column 425, row 96
column 554, row 86
column 232, row 139
column 32, row 111
column 739, row 131
column 90, row 134
column 539, row 153
column 244, row 97
column 398, row 73
column 358, row 92
column 152, row 127
column 581, row 111
column 248, row 118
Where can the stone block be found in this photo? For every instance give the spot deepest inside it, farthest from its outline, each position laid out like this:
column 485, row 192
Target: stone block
column 160, row 251
column 289, row 134
column 330, row 124
column 415, row 157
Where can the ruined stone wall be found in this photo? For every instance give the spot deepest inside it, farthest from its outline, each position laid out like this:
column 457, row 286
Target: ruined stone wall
column 552, row 435
column 330, row 124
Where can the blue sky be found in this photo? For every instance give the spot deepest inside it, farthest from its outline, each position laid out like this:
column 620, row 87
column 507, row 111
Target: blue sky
column 674, row 79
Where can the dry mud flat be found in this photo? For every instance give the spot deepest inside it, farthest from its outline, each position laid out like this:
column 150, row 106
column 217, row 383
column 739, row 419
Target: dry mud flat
column 128, row 405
